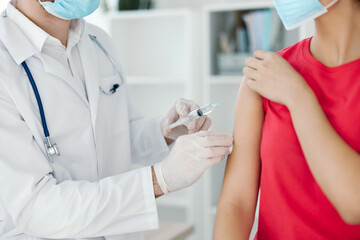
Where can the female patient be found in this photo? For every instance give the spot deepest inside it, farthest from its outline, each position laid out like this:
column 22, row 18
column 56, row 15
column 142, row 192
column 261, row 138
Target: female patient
column 300, row 143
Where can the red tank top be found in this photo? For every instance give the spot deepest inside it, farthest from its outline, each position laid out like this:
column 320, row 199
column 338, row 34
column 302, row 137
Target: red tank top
column 292, row 205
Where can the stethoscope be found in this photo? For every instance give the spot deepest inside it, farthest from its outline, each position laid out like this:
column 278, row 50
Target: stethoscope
column 51, row 149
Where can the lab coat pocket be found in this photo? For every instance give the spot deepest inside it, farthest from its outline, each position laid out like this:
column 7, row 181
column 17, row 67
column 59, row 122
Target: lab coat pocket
column 112, row 111
column 110, row 85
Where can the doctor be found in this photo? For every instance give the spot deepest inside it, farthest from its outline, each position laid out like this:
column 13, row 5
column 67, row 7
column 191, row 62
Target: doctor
column 59, row 83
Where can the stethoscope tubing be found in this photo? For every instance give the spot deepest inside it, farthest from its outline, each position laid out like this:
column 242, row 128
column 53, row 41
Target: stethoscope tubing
column 112, row 61
column 38, row 99
column 52, row 149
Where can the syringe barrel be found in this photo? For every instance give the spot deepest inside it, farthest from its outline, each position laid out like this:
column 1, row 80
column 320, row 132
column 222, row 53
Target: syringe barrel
column 207, row 109
column 198, row 113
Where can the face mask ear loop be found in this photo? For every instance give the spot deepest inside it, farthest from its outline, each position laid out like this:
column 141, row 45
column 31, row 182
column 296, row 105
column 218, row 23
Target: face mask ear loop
column 331, row 4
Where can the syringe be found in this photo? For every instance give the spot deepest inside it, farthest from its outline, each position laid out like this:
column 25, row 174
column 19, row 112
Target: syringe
column 196, row 114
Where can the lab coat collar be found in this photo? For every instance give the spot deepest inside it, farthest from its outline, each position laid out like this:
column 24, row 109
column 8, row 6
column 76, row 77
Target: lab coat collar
column 25, row 39
column 21, row 48
column 17, row 44
column 77, row 30
column 35, row 35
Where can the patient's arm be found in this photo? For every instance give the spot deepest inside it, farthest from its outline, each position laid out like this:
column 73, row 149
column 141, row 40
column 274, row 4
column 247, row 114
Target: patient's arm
column 239, row 194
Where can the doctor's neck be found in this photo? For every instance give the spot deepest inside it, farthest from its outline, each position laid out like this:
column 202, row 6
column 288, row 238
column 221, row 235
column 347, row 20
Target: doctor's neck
column 56, row 27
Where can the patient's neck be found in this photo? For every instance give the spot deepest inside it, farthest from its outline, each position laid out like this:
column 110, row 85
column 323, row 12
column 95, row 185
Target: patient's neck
column 337, row 36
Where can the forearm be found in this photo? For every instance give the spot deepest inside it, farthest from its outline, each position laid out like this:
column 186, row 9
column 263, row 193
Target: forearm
column 233, row 222
column 237, row 204
column 334, row 164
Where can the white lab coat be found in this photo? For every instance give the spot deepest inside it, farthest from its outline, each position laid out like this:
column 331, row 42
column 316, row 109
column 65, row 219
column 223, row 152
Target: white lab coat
column 88, row 191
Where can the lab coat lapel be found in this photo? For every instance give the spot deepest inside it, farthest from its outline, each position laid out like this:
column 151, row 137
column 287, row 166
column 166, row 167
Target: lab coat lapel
column 89, row 58
column 52, row 67
column 10, row 32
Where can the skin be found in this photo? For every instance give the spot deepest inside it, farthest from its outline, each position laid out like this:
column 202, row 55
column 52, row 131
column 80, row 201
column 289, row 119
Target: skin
column 56, row 27
column 236, row 209
column 271, row 76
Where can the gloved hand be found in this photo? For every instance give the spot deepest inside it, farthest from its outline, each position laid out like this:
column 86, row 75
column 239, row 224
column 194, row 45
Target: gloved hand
column 189, row 159
column 182, row 108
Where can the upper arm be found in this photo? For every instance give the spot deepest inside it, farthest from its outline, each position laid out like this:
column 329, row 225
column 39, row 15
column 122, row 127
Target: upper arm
column 241, row 182
column 239, row 194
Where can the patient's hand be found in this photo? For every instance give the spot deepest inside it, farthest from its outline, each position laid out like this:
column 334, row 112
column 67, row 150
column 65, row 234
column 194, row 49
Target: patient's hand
column 274, row 78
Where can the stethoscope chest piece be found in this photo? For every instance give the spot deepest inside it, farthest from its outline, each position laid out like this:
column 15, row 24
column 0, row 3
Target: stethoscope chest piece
column 51, row 150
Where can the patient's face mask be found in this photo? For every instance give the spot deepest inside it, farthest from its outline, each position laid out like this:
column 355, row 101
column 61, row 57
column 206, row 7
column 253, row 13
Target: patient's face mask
column 71, row 9
column 294, row 13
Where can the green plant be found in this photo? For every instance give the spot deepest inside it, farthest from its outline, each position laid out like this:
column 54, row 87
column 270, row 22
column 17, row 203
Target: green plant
column 125, row 5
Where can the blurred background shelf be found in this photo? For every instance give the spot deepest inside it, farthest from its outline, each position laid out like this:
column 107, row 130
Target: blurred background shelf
column 149, row 14
column 225, row 80
column 153, row 43
column 170, row 231
column 146, row 80
column 178, row 199
column 156, row 50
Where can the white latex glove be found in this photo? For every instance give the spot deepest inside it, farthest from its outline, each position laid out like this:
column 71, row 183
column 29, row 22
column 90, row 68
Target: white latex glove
column 189, row 159
column 182, row 108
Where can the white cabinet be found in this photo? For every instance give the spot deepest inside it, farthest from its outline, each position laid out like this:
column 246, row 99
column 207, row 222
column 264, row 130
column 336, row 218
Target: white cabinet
column 156, row 50
column 154, row 46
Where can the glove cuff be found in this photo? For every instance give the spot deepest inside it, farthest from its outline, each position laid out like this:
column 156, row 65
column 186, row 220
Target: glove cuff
column 158, row 169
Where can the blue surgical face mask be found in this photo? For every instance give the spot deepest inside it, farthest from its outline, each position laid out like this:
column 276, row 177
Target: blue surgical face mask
column 71, row 9
column 294, row 13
